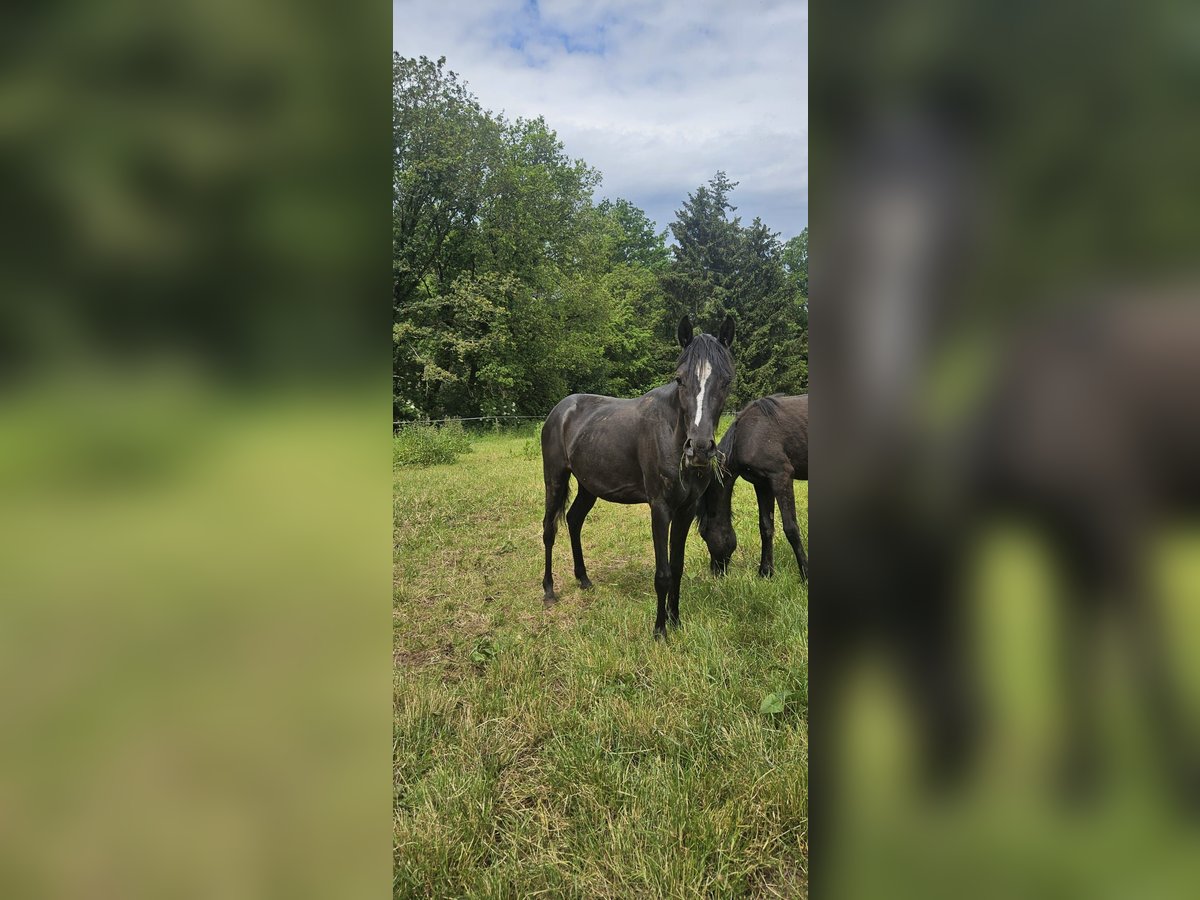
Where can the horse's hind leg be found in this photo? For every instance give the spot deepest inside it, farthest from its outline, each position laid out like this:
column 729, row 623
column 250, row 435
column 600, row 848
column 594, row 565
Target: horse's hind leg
column 557, row 486
column 786, row 496
column 584, row 501
column 766, row 528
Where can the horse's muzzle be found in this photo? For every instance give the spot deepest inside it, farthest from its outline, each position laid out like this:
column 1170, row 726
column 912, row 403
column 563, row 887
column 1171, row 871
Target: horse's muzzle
column 698, row 453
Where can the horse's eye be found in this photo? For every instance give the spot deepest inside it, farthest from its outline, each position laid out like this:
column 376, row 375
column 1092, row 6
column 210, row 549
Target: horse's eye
column 678, row 380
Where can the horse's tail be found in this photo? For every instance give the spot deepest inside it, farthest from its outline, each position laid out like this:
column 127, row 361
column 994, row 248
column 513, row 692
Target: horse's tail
column 561, row 499
column 554, row 467
column 558, row 490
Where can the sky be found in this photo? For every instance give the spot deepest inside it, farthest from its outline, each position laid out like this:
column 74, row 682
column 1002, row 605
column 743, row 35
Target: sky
column 656, row 94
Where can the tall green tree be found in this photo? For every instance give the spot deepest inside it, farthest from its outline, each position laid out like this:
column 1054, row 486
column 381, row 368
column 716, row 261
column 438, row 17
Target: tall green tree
column 444, row 150
column 771, row 351
column 721, row 266
column 704, row 259
column 795, row 262
column 637, row 357
column 513, row 287
column 500, row 257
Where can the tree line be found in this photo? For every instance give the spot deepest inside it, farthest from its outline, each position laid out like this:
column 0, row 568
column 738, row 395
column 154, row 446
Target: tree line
column 513, row 287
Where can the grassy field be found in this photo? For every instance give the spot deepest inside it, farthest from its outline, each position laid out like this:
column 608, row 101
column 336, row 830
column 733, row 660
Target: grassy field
column 562, row 752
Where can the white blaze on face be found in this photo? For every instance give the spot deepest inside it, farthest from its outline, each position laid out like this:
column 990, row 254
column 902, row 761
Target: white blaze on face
column 703, row 371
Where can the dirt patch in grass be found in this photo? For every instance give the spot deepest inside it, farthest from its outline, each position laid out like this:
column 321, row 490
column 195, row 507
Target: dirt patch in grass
column 419, row 659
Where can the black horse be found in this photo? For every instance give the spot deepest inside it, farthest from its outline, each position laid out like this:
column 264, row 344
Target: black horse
column 656, row 449
column 768, row 446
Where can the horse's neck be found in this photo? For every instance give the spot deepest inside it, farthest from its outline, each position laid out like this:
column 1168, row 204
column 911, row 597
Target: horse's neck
column 721, row 500
column 717, row 501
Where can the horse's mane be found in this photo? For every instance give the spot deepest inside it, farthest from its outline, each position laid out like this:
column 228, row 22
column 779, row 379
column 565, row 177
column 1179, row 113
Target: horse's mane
column 768, row 406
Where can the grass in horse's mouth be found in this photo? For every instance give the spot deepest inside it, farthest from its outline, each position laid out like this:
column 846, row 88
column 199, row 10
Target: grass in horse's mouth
column 715, row 463
column 718, row 464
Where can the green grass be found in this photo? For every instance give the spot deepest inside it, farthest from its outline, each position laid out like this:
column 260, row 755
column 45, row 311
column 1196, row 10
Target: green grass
column 563, row 752
column 418, row 445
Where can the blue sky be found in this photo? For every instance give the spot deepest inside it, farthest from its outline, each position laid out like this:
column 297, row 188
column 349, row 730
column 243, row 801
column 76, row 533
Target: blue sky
column 656, row 94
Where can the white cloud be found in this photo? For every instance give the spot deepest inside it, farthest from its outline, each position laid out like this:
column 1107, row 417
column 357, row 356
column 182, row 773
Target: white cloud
column 656, row 94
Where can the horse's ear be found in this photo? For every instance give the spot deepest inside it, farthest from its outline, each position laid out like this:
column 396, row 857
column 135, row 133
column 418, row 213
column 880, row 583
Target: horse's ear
column 685, row 331
column 726, row 336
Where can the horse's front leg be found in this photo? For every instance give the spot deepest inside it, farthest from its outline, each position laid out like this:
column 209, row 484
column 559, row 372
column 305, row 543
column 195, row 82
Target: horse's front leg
column 660, row 524
column 679, row 533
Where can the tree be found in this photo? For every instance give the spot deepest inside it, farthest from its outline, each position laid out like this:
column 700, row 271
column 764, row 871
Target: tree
column 635, row 241
column 498, row 258
column 513, row 288
column 795, row 262
column 638, row 359
column 720, row 266
column 444, row 149
column 704, row 258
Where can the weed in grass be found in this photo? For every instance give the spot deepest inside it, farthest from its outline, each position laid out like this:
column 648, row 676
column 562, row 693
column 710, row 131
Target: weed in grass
column 482, row 650
column 420, row 445
column 773, row 703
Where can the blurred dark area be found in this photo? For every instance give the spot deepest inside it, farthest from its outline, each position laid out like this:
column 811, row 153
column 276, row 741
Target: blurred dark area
column 1003, row 628
column 194, row 272
column 188, row 180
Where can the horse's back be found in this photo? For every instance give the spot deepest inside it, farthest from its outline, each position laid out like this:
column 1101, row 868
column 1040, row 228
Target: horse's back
column 772, row 435
column 581, row 411
column 603, row 442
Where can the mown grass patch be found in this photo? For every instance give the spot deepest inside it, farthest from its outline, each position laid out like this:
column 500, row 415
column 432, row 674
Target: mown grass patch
column 563, row 751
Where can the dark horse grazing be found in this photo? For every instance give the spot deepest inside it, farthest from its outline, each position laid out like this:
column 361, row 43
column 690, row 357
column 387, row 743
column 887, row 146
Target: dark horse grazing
column 768, row 446
column 656, row 449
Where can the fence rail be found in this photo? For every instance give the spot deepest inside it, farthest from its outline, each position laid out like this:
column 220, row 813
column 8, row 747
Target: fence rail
column 462, row 419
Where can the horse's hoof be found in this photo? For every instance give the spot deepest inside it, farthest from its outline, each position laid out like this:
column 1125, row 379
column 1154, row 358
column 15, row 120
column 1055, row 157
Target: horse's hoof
column 585, row 583
column 660, row 632
column 766, row 572
column 548, row 601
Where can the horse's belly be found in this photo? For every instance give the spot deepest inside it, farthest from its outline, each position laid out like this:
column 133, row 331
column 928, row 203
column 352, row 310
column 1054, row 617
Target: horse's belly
column 607, row 484
column 630, row 495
